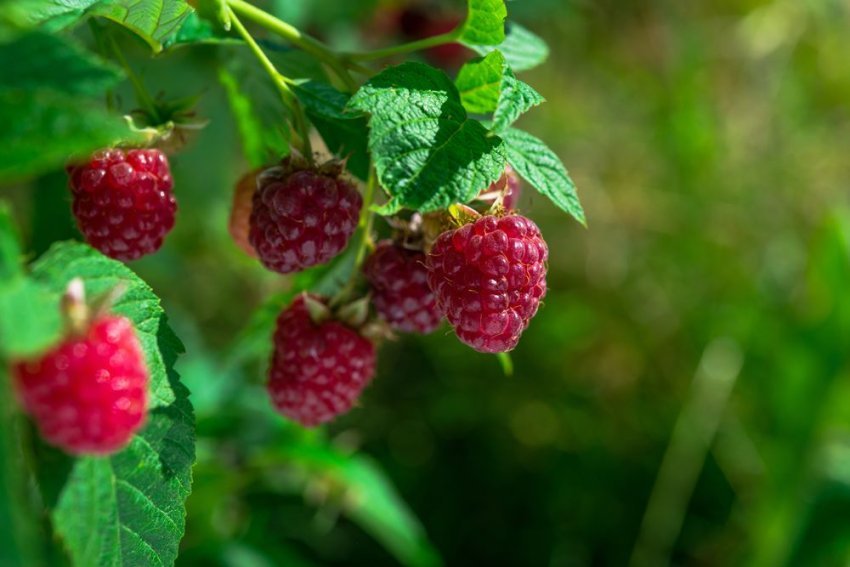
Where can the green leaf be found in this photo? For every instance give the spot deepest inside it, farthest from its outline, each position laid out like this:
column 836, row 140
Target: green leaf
column 485, row 23
column 345, row 134
column 29, row 318
column 370, row 500
column 522, row 49
column 515, row 99
column 39, row 60
column 48, row 15
column 196, row 30
column 479, row 83
column 427, row 153
column 152, row 20
column 537, row 164
column 263, row 140
column 43, row 130
column 488, row 85
column 129, row 508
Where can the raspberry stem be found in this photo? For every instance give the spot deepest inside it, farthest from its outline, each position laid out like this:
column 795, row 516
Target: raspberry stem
column 292, row 34
column 418, row 45
column 143, row 97
column 300, row 125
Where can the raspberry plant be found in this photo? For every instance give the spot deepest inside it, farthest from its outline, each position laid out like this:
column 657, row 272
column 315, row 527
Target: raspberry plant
column 363, row 135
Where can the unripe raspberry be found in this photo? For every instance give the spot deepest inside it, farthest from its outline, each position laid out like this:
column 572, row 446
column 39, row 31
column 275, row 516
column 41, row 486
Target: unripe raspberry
column 302, row 217
column 489, row 277
column 239, row 224
column 400, row 290
column 318, row 370
column 508, row 186
column 89, row 394
column 123, row 202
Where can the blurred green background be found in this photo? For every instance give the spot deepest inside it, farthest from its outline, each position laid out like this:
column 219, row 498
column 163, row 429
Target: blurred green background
column 681, row 398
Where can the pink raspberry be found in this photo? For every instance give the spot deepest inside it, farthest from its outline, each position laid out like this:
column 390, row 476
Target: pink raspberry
column 89, row 394
column 302, row 217
column 400, row 291
column 123, row 202
column 318, row 370
column 489, row 277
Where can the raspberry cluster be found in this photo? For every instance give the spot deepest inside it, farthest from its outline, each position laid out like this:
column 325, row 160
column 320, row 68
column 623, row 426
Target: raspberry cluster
column 318, row 368
column 489, row 277
column 123, row 201
column 89, row 394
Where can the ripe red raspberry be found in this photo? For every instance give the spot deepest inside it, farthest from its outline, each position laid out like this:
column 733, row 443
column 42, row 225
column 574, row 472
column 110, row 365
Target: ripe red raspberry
column 489, row 277
column 400, row 290
column 89, row 394
column 123, row 202
column 318, row 369
column 302, row 217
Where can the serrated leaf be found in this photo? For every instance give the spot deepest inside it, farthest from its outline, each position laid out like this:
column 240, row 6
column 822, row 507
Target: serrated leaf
column 485, row 23
column 345, row 134
column 152, row 20
column 263, row 140
column 43, row 61
column 43, row 130
column 129, row 508
column 426, row 151
column 536, row 163
column 479, row 83
column 522, row 49
column 515, row 99
column 489, row 85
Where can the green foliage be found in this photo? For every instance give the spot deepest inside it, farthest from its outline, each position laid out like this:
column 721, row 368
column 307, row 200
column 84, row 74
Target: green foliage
column 45, row 129
column 523, row 50
column 47, row 122
column 488, row 85
column 485, row 23
column 536, row 163
column 128, row 509
column 263, row 140
column 60, row 66
column 152, row 20
column 364, row 493
column 345, row 134
column 427, row 153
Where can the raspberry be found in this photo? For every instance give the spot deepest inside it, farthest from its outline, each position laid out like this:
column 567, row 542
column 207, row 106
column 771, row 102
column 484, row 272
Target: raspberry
column 240, row 212
column 123, row 202
column 88, row 395
column 302, row 217
column 318, row 369
column 400, row 290
column 489, row 277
